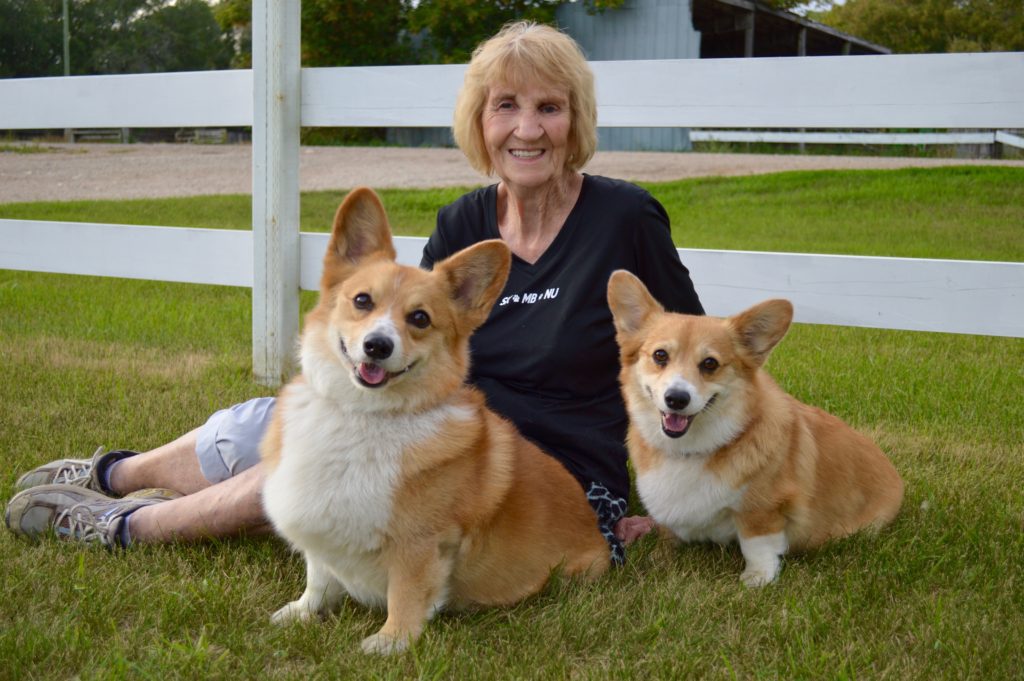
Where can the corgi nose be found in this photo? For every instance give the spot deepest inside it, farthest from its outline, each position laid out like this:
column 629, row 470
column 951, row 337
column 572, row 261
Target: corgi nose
column 378, row 347
column 677, row 399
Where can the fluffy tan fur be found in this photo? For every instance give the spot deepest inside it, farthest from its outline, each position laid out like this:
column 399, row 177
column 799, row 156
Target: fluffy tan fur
column 477, row 515
column 780, row 467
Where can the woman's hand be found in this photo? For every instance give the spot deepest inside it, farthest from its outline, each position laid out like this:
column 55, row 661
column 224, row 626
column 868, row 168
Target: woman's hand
column 631, row 528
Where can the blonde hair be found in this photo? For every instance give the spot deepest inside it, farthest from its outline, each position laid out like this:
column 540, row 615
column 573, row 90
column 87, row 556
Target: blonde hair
column 520, row 53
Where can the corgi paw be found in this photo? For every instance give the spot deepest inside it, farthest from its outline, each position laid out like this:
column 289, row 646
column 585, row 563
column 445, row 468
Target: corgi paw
column 383, row 644
column 757, row 577
column 295, row 611
column 763, row 556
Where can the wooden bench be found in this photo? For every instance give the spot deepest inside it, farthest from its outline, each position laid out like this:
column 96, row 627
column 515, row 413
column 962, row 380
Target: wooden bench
column 118, row 135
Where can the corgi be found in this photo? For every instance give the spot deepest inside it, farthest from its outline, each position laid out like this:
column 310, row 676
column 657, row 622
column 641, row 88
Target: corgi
column 721, row 452
column 387, row 471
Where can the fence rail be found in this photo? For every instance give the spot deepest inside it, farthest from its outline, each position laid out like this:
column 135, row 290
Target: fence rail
column 944, row 91
column 972, row 91
column 956, row 296
column 908, row 138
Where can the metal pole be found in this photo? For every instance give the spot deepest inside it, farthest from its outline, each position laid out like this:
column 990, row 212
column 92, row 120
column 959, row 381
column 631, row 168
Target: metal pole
column 275, row 191
column 801, row 51
column 68, row 134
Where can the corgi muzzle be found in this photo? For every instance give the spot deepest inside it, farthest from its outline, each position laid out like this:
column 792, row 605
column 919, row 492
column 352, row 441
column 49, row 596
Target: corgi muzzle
column 370, row 373
column 674, row 423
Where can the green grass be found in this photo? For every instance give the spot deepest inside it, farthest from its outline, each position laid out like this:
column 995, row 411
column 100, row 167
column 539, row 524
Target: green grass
column 412, row 213
column 88, row 361
column 971, row 213
column 26, row 149
column 959, row 212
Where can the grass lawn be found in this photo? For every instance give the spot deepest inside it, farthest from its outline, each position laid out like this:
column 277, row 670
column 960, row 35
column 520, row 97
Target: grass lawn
column 90, row 361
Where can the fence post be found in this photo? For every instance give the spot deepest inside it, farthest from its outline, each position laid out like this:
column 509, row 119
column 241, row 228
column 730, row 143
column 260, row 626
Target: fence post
column 275, row 188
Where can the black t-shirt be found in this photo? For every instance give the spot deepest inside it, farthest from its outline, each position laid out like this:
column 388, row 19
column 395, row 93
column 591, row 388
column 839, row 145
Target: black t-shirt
column 546, row 358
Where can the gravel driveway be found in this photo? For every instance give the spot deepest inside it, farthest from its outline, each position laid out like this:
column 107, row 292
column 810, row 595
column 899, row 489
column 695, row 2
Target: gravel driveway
column 114, row 171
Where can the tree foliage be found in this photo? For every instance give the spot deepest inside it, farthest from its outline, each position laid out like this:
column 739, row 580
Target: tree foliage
column 448, row 30
column 153, row 36
column 354, row 32
column 110, row 36
column 908, row 26
column 30, row 39
column 235, row 19
column 787, row 5
column 334, row 32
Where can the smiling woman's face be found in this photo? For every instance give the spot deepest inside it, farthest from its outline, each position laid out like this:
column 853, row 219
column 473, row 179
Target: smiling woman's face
column 526, row 132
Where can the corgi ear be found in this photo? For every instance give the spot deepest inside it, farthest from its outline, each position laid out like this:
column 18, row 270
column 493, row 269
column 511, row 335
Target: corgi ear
column 360, row 231
column 630, row 301
column 476, row 276
column 760, row 328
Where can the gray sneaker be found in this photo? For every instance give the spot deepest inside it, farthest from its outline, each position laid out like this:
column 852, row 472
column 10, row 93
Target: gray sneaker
column 77, row 513
column 85, row 473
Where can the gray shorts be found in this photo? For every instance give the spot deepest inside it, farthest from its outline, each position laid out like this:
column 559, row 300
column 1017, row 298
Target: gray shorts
column 229, row 441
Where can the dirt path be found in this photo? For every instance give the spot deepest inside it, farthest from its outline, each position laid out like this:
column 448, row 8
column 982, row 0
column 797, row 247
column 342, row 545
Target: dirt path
column 96, row 171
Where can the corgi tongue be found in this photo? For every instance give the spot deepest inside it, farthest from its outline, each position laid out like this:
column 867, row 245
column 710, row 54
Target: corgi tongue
column 675, row 424
column 372, row 373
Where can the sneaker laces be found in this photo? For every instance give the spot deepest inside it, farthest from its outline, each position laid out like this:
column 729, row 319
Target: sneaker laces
column 82, row 522
column 73, row 474
column 76, row 472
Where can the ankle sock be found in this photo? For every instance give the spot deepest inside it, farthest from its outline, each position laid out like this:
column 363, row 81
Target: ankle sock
column 124, row 536
column 104, row 476
column 106, row 464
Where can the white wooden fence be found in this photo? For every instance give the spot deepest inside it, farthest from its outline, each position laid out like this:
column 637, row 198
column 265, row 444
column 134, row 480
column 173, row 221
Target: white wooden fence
column 973, row 91
column 988, row 137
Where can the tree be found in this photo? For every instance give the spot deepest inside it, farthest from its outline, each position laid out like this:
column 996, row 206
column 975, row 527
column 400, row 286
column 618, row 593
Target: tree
column 787, row 5
column 158, row 37
column 353, row 32
column 448, row 30
column 30, row 39
column 907, row 26
column 110, row 36
column 334, row 32
column 235, row 19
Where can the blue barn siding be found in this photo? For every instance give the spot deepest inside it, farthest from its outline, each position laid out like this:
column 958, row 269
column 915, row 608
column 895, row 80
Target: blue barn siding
column 640, row 29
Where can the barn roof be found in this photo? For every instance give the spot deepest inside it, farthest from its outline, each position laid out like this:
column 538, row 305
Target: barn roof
column 747, row 28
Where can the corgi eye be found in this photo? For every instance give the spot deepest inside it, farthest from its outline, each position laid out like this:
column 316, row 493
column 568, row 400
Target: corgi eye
column 363, row 301
column 660, row 357
column 709, row 365
column 419, row 319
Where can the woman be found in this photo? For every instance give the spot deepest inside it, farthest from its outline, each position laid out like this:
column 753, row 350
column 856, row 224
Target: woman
column 546, row 358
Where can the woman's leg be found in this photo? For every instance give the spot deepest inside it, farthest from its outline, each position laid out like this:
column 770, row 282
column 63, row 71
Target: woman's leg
column 224, row 509
column 216, row 467
column 225, row 446
column 77, row 513
column 173, row 466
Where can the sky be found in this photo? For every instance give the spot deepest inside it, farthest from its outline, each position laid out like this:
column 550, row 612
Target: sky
column 814, row 5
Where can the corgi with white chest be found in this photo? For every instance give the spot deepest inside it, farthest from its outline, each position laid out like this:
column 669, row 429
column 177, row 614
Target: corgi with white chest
column 388, row 473
column 721, row 453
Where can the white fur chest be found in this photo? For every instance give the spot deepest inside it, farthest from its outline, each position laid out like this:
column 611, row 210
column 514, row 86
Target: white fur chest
column 689, row 500
column 332, row 491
